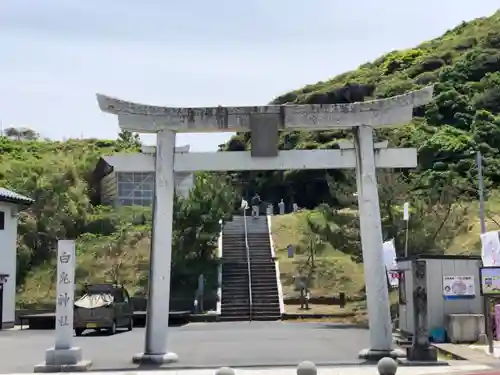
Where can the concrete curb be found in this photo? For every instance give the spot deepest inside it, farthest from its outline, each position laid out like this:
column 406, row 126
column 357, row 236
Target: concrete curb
column 450, row 353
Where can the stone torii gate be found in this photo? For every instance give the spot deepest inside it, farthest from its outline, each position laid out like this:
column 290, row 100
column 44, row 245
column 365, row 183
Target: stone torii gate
column 265, row 123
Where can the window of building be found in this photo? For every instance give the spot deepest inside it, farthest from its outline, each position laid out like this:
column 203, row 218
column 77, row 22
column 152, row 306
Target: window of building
column 135, row 188
column 2, row 220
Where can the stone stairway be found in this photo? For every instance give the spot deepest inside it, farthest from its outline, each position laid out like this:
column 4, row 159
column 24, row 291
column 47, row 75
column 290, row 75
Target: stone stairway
column 235, row 304
column 265, row 297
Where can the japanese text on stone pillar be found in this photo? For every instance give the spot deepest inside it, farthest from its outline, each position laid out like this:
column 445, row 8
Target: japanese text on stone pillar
column 65, row 293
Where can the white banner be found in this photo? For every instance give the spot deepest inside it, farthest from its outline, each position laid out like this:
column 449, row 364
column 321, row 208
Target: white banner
column 490, row 248
column 389, row 251
column 406, row 211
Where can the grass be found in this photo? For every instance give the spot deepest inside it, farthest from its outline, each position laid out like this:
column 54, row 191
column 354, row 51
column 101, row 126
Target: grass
column 346, row 275
column 343, row 275
column 470, row 242
column 94, row 265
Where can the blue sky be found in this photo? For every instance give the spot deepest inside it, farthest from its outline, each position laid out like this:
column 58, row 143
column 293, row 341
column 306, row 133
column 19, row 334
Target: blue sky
column 56, row 54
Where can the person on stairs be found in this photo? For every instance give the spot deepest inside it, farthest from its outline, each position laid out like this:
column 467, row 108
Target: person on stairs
column 255, row 206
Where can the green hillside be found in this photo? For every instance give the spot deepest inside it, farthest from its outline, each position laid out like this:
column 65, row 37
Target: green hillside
column 464, row 65
column 112, row 245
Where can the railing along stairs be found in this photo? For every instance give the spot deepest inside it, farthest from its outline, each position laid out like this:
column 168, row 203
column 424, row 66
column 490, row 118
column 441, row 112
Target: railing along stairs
column 248, row 264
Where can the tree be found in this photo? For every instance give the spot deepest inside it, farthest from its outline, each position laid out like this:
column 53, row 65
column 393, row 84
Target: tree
column 196, row 229
column 128, row 140
column 435, row 221
column 311, row 245
column 116, row 251
column 21, row 133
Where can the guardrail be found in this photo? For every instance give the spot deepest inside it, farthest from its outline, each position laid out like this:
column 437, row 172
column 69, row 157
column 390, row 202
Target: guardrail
column 248, row 264
column 219, row 272
column 276, row 266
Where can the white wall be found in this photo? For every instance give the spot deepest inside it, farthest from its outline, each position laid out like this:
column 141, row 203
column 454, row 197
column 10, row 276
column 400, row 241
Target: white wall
column 184, row 182
column 8, row 238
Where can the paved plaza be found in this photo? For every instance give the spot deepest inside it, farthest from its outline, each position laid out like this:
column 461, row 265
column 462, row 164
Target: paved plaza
column 200, row 345
column 458, row 369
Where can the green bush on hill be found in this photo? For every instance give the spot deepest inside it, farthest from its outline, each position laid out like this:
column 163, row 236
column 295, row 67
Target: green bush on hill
column 464, row 65
column 112, row 244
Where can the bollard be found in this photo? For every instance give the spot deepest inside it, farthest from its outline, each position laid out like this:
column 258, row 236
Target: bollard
column 387, row 366
column 224, row 371
column 306, row 368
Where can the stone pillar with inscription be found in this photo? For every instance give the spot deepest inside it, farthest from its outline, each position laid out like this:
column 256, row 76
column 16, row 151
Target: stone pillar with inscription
column 64, row 356
column 420, row 351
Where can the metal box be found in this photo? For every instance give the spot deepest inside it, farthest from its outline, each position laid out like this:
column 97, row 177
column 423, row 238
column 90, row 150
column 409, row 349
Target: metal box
column 438, row 306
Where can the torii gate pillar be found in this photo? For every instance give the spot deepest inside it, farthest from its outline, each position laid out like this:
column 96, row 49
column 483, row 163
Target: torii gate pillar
column 362, row 118
column 377, row 294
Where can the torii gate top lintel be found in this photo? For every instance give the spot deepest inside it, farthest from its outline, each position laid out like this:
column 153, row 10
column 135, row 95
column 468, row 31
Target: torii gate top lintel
column 142, row 118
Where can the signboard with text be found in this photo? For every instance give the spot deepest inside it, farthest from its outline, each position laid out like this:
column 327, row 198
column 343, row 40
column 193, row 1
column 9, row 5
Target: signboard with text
column 459, row 287
column 490, row 281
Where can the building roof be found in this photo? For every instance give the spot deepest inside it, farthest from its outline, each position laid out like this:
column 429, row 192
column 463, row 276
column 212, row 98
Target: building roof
column 135, row 161
column 11, row 197
column 131, row 162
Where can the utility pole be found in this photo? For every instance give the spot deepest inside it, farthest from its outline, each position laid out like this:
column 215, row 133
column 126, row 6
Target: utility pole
column 480, row 185
column 482, row 219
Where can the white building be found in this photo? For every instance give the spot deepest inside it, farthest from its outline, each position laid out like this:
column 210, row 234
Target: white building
column 127, row 179
column 10, row 204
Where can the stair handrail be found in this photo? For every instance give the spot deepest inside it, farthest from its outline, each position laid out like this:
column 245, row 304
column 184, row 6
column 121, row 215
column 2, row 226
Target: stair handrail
column 248, row 263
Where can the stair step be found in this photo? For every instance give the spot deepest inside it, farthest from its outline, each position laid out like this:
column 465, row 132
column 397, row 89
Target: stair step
column 239, row 316
column 262, row 311
column 235, row 306
column 265, row 305
column 264, row 292
column 234, row 288
column 234, row 271
column 229, row 303
column 265, row 298
column 263, row 269
column 243, row 291
column 235, row 278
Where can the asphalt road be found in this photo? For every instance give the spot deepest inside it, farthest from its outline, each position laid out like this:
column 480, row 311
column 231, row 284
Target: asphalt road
column 200, row 345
